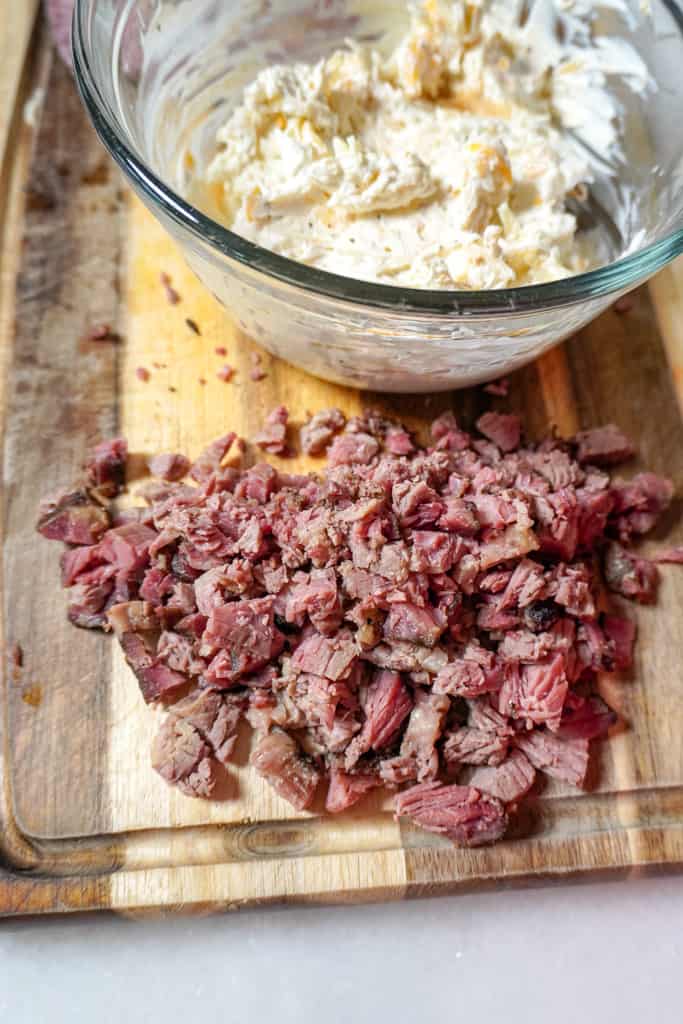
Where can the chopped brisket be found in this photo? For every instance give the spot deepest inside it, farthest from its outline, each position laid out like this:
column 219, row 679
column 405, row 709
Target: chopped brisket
column 346, row 790
column 508, row 781
column 209, row 462
column 603, row 446
column 183, row 758
column 594, row 508
column 316, row 596
column 585, row 718
column 138, row 629
column 89, row 597
column 594, row 648
column 408, row 616
column 398, row 441
column 639, row 504
column 526, row 585
column 415, row 625
column 332, row 658
column 317, row 433
column 197, row 734
column 470, row 673
column 352, row 449
column 240, row 637
column 73, row 517
column 133, row 617
column 474, row 746
column 558, row 519
column 179, row 653
column 515, row 541
column 278, row 758
column 387, row 704
column 106, row 466
column 433, row 552
column 416, row 504
column 564, row 759
column 273, row 437
column 629, row 575
column 447, row 435
column 520, row 645
column 76, row 561
column 460, row 516
column 572, row 587
column 169, row 467
column 484, row 740
column 622, row 634
column 535, row 693
column 408, row 657
column 463, row 814
column 422, row 732
column 504, row 429
column 127, row 547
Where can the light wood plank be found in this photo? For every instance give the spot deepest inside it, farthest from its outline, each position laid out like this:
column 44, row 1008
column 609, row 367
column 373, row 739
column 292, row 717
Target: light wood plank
column 17, row 20
column 667, row 297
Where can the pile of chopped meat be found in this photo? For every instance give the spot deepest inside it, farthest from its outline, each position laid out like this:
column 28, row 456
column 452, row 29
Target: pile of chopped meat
column 422, row 618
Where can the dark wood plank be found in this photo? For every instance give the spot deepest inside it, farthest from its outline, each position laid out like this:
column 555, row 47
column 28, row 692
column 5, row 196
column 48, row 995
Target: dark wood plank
column 61, row 398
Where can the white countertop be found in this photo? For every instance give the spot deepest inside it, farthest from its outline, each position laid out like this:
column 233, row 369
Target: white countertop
column 594, row 953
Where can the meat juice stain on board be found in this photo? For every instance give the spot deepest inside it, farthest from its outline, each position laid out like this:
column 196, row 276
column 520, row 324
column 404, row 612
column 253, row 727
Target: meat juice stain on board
column 32, row 695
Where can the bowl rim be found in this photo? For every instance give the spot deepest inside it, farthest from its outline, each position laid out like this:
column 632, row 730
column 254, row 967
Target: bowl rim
column 611, row 279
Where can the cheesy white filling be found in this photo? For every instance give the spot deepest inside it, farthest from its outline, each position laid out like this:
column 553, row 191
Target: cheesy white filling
column 444, row 165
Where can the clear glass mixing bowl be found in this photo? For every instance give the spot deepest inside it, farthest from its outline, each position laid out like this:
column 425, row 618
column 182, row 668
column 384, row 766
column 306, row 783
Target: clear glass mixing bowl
column 158, row 76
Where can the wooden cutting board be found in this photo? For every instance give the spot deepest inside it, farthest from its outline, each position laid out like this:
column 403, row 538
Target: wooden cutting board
column 84, row 822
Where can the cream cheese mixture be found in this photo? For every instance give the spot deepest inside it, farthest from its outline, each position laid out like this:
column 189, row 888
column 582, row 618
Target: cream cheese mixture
column 446, row 164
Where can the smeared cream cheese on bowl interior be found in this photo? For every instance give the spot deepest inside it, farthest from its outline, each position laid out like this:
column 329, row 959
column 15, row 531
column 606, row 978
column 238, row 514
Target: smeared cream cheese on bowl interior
column 447, row 163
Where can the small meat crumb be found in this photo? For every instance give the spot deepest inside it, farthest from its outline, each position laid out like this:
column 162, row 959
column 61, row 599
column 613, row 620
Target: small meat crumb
column 201, row 380
column 226, row 373
column 670, row 556
column 624, row 305
column 32, row 695
column 171, row 466
column 16, row 655
column 273, row 437
column 101, row 332
column 171, row 294
column 257, row 372
column 221, row 350
column 498, row 388
column 193, row 325
column 142, row 373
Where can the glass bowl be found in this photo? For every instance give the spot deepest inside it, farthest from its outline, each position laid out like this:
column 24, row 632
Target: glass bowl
column 158, row 76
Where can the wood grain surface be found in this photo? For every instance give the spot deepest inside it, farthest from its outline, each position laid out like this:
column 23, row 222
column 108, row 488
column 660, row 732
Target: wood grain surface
column 15, row 40
column 84, row 821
